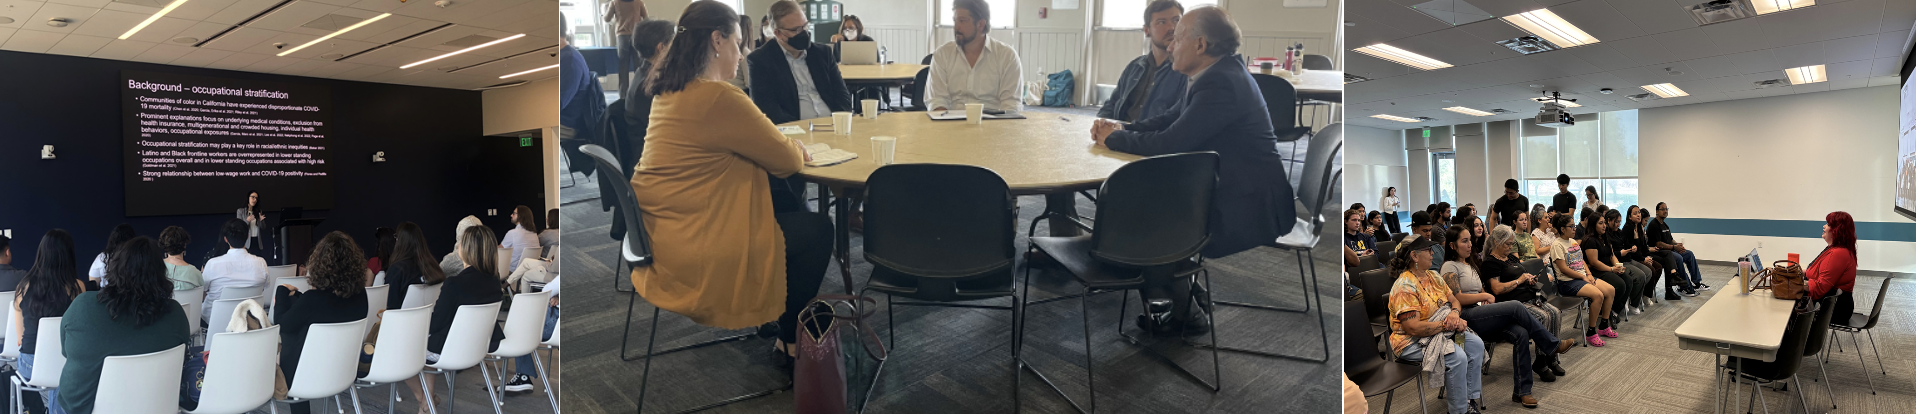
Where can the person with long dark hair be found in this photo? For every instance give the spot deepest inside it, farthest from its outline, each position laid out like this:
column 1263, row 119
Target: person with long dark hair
column 1833, row 271
column 412, row 265
column 1624, row 237
column 96, row 274
column 523, row 238
column 255, row 217
column 549, row 238
column 173, row 241
column 382, row 250
column 133, row 314
column 743, row 265
column 1574, row 278
column 1375, row 223
column 1601, row 257
column 335, row 270
column 45, row 293
column 651, row 37
column 1389, row 205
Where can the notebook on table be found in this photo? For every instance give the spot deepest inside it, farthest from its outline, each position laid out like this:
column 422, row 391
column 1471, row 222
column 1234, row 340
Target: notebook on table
column 824, row 155
column 959, row 114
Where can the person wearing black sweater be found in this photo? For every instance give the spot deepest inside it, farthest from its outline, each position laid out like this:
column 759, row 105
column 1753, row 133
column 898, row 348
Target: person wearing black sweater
column 412, row 264
column 337, row 295
column 479, row 283
column 1564, row 201
column 1628, row 241
column 1601, row 258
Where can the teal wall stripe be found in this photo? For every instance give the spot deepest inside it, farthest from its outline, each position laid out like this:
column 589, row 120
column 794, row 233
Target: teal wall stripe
column 1865, row 231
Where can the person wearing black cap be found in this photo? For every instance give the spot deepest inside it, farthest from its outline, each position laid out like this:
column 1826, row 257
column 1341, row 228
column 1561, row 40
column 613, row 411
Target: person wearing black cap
column 1421, row 226
column 1507, row 207
column 1427, row 326
column 1564, row 201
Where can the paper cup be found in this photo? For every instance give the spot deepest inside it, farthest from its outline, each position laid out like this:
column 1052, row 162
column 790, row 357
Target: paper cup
column 882, row 149
column 974, row 113
column 871, row 108
column 842, row 123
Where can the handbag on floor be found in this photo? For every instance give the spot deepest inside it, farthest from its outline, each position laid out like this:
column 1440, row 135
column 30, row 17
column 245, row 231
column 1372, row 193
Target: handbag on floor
column 819, row 372
column 1786, row 280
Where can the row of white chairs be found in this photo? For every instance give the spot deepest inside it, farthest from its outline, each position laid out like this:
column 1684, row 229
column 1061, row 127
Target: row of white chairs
column 239, row 377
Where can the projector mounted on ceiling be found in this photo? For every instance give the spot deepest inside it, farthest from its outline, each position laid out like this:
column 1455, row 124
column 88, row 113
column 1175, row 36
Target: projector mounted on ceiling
column 1552, row 115
column 1529, row 45
column 1643, row 97
column 1766, row 84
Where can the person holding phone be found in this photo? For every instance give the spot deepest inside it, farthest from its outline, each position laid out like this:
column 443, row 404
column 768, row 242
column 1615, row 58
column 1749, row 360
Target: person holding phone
column 254, row 216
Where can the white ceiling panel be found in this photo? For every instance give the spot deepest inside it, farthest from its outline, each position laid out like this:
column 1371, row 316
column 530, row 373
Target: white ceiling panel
column 1848, row 83
column 1506, row 7
column 300, row 67
column 1737, row 64
column 75, row 14
column 197, row 10
column 82, row 3
column 237, row 61
column 1746, row 35
column 1898, row 15
column 200, row 57
column 1604, row 55
column 270, row 64
column 163, row 53
column 20, row 11
column 123, row 49
column 1890, row 44
column 288, row 19
column 240, row 10
column 31, row 41
column 1655, row 16
column 1598, row 19
column 240, row 39
column 110, row 23
column 76, row 45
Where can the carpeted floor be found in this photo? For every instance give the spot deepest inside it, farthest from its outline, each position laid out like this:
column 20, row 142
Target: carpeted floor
column 1643, row 371
column 959, row 360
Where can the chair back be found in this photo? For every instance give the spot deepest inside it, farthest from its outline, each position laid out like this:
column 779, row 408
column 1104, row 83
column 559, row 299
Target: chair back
column 1366, row 262
column 11, row 350
column 1376, row 285
column 243, row 292
column 421, row 294
column 146, row 383
column 1280, row 97
column 1156, row 211
column 302, row 283
column 402, row 345
column 940, row 224
column 1790, row 355
column 194, row 295
column 1876, row 311
column 379, row 279
column 220, row 316
column 1318, row 62
column 636, row 249
column 524, row 322
column 49, row 357
column 1385, row 251
column 553, row 341
column 1542, row 271
column 329, row 360
column 504, row 259
column 1360, row 348
column 241, row 378
column 1397, row 237
column 469, row 336
column 275, row 272
column 6, row 311
column 1315, row 187
column 1820, row 327
column 376, row 300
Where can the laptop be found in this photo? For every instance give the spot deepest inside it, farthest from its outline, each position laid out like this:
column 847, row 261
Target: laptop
column 858, row 53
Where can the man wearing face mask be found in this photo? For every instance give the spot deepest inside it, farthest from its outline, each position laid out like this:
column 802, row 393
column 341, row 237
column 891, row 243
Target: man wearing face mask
column 973, row 68
column 1148, row 86
column 792, row 78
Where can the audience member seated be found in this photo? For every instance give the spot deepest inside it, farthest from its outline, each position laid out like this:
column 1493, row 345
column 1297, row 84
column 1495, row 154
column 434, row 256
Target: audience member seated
column 1601, row 258
column 133, row 314
column 336, row 296
column 1623, row 237
column 1680, row 261
column 851, row 28
column 1489, row 306
column 476, row 284
column 1375, row 226
column 523, row 238
column 173, row 241
column 1526, row 243
column 412, row 264
column 651, row 36
column 53, row 268
column 1420, row 226
column 798, row 79
column 1148, row 87
column 382, row 254
column 524, row 368
column 1837, row 274
column 1505, row 277
column 236, row 268
column 1354, row 236
column 741, row 265
column 549, row 238
column 1590, row 199
column 96, row 273
column 451, row 264
column 9, row 275
column 974, row 68
column 1565, row 258
column 1425, row 326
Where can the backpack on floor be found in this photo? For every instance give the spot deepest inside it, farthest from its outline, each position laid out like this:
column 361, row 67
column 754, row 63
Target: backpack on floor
column 1058, row 89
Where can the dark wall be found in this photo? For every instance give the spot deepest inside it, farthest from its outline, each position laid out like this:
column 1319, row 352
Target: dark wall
column 439, row 166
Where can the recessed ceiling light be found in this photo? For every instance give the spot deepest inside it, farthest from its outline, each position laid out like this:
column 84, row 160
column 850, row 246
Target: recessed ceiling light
column 1771, row 6
column 469, row 49
column 149, row 20
column 1403, row 57
column 1665, row 90
column 1806, row 74
column 1467, row 111
column 340, row 32
column 1547, row 25
column 1394, row 118
column 1565, row 103
column 530, row 71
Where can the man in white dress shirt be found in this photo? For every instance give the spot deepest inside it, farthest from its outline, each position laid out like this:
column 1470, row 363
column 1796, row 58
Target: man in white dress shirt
column 973, row 68
column 236, row 268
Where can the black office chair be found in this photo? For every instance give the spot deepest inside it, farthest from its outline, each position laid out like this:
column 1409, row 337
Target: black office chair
column 1365, row 262
column 916, row 89
column 940, row 234
column 634, row 251
column 1814, row 345
column 1376, row 284
column 614, row 121
column 1368, row 370
column 1319, row 175
column 1318, row 62
column 1789, row 356
column 1280, row 98
column 1386, row 250
column 1398, row 237
column 1868, row 323
column 1152, row 214
column 1567, row 305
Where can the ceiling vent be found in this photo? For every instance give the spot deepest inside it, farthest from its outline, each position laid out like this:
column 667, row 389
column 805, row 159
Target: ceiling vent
column 1772, row 83
column 1643, row 97
column 1426, row 118
column 1352, row 78
column 1529, row 45
column 1718, row 11
column 1452, row 12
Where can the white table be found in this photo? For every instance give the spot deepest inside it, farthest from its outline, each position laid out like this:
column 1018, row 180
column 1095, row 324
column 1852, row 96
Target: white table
column 1322, row 85
column 1737, row 324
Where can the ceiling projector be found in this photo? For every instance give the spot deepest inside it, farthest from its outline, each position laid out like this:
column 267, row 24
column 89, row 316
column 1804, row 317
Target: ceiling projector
column 1552, row 115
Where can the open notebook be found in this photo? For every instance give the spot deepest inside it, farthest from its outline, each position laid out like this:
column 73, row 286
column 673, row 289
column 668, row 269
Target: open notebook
column 823, row 155
column 959, row 114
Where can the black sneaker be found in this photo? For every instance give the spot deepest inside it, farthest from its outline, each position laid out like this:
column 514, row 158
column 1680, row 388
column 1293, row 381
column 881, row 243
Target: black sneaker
column 1689, row 292
column 1670, row 295
column 519, row 383
column 1703, row 287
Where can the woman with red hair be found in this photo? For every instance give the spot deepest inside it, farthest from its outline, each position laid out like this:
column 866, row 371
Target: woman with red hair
column 1835, row 267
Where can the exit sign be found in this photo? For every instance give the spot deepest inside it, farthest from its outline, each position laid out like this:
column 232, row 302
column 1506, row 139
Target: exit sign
column 1426, row 133
column 527, row 141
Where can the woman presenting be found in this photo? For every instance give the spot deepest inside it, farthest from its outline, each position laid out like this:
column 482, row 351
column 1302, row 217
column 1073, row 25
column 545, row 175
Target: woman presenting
column 253, row 216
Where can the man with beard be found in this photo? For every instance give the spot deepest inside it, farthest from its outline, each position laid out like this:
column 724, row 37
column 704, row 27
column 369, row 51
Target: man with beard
column 973, row 68
column 1148, row 87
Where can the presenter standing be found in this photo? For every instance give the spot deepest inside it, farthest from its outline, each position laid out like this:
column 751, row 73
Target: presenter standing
column 254, row 216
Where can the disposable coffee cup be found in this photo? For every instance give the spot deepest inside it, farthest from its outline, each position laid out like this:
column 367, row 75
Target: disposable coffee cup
column 842, row 123
column 871, row 108
column 882, row 149
column 974, row 113
column 1266, row 66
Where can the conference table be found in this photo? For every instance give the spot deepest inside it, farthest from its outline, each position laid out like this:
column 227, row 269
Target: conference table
column 1739, row 324
column 1320, row 85
column 884, row 76
column 1046, row 154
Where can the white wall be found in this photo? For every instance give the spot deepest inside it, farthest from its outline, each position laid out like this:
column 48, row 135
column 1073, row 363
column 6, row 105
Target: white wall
column 533, row 105
column 1472, row 178
column 1373, row 160
column 1793, row 157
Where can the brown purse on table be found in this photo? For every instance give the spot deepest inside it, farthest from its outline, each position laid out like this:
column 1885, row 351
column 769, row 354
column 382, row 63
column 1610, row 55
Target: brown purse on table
column 1786, row 280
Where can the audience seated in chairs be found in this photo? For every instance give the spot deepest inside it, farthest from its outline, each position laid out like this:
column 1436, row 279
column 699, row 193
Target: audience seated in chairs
column 1149, row 87
column 133, row 314
column 96, row 274
column 46, row 292
column 235, row 269
column 478, row 283
column 337, row 295
column 452, row 264
column 173, row 241
column 523, row 239
column 1425, row 323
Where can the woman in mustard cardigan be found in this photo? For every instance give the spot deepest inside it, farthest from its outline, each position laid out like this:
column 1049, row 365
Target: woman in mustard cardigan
column 724, row 258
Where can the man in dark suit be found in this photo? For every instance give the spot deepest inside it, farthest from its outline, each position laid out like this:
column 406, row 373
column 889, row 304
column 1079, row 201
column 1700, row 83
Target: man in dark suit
column 1221, row 111
column 793, row 78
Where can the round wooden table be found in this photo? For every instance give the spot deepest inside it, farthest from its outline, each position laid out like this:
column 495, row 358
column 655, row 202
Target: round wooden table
column 1046, row 154
column 888, row 76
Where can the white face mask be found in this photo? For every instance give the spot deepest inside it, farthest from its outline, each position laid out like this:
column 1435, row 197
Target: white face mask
column 767, row 31
column 851, row 35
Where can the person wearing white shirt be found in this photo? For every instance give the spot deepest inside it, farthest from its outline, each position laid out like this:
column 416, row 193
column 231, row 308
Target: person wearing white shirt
column 549, row 238
column 973, row 68
column 236, row 268
column 523, row 237
column 1389, row 205
column 96, row 273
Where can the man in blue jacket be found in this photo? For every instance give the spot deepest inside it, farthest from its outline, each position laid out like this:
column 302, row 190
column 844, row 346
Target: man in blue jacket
column 1148, row 87
column 1223, row 111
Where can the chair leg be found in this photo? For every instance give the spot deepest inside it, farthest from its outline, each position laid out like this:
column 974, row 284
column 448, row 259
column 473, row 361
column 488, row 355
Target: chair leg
column 1860, row 363
column 1802, row 397
column 1826, row 381
column 392, row 396
column 1423, row 405
column 355, row 393
column 451, row 398
column 425, row 386
column 544, row 379
column 491, row 393
column 645, row 374
column 1090, row 366
column 1872, row 349
column 341, row 408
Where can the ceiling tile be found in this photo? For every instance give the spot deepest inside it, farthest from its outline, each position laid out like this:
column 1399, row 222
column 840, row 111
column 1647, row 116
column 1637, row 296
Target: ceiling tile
column 237, row 61
column 1598, row 19
column 289, row 18
column 271, row 63
column 1655, row 16
column 197, row 10
column 75, row 14
column 1848, row 83
column 1655, row 74
column 1898, row 15
column 166, row 28
column 241, row 10
column 1892, row 44
column 123, row 49
column 1886, row 81
column 6, row 32
column 1886, row 67
column 1811, row 87
column 20, row 11
column 77, row 45
column 1825, row 21
column 1744, row 35
column 1662, row 48
column 1502, row 8
column 1455, row 47
column 240, row 39
column 1391, row 15
column 301, row 66
column 1493, row 30
column 32, row 41
column 1839, row 50
column 1856, row 69
column 1604, row 56
column 110, row 23
column 200, row 57
column 1737, row 64
column 82, row 3
column 163, row 53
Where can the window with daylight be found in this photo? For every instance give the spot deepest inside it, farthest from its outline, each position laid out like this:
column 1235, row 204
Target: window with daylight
column 1599, row 151
column 1129, row 14
column 1004, row 13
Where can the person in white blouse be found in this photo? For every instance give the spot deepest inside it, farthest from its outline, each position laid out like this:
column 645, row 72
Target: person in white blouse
column 1389, row 205
column 524, row 236
column 96, row 272
column 973, row 67
column 236, row 268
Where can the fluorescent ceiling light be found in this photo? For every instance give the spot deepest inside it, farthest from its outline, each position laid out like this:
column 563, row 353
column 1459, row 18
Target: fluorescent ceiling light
column 1403, row 57
column 530, row 71
column 1467, row 111
column 340, row 32
column 1806, row 74
column 1547, row 25
column 150, row 19
column 469, row 49
column 1665, row 90
column 1771, row 6
column 1394, row 118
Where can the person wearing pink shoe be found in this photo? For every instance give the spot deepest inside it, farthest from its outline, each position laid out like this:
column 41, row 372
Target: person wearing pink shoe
column 1573, row 278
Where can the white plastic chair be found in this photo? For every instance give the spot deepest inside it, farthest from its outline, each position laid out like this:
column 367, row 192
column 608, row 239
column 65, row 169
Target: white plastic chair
column 11, row 352
column 146, row 383
column 375, row 301
column 242, row 292
column 302, row 283
column 421, row 295
column 524, row 324
column 272, row 294
column 48, row 361
column 222, row 315
column 465, row 346
column 239, row 378
column 194, row 300
column 273, row 274
column 504, row 257
column 379, row 279
column 328, row 363
column 401, row 353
